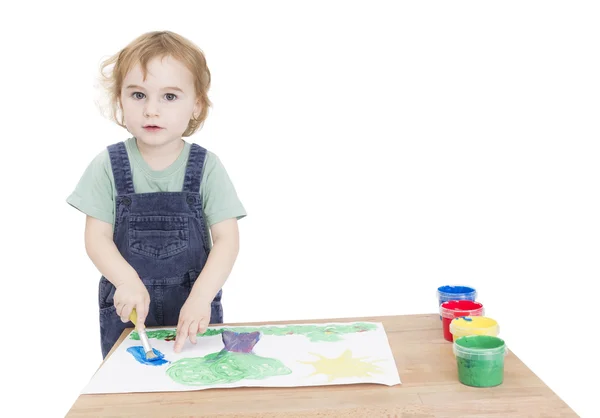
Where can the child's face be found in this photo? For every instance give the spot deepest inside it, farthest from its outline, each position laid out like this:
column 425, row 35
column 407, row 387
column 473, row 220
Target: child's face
column 165, row 100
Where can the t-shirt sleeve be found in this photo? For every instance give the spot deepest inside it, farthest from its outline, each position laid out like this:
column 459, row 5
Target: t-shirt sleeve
column 219, row 196
column 94, row 194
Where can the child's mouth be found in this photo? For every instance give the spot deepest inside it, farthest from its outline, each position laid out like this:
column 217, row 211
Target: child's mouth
column 152, row 128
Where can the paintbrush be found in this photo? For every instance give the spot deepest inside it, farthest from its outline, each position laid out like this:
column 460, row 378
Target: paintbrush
column 143, row 337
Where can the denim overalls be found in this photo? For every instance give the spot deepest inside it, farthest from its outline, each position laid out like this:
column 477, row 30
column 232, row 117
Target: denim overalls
column 163, row 236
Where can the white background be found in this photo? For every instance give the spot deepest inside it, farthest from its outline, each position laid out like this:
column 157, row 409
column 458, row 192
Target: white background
column 381, row 150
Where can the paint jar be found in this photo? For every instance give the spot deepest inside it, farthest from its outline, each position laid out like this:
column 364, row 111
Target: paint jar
column 480, row 360
column 446, row 293
column 457, row 308
column 473, row 325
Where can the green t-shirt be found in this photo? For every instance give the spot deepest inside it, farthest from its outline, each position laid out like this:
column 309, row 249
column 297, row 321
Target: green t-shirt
column 95, row 193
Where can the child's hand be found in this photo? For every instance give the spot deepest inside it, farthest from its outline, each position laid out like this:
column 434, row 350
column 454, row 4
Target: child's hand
column 129, row 295
column 193, row 319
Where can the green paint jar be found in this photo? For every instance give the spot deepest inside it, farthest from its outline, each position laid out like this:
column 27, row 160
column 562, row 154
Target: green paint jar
column 480, row 360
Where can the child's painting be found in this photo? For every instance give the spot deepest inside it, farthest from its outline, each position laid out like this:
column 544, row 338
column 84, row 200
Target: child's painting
column 261, row 356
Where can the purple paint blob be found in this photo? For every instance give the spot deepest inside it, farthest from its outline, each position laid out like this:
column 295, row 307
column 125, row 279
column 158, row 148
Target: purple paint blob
column 240, row 342
column 139, row 354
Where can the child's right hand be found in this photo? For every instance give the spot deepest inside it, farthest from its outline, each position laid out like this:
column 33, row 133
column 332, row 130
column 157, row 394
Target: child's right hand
column 129, row 295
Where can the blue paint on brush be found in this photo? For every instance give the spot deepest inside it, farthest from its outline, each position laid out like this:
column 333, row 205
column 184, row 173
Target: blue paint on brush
column 139, row 354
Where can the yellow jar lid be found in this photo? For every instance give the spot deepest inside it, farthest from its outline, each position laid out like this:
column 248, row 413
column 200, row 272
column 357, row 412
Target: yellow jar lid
column 472, row 323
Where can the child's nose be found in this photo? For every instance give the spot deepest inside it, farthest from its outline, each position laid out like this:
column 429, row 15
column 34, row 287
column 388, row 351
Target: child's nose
column 151, row 109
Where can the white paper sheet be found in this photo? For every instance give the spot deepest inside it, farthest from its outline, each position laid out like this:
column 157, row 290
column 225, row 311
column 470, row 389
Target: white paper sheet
column 283, row 356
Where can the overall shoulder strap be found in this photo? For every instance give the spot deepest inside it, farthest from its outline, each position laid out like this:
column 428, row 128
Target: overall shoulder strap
column 121, row 168
column 194, row 169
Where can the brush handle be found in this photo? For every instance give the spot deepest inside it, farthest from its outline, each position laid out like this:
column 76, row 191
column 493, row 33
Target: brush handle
column 142, row 333
column 133, row 316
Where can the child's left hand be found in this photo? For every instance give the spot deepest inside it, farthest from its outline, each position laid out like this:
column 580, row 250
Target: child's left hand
column 193, row 319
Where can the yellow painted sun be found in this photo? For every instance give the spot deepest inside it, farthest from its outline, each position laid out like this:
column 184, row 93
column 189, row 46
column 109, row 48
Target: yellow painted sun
column 343, row 366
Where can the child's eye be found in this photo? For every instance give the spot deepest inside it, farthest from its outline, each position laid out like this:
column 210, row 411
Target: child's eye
column 170, row 96
column 137, row 95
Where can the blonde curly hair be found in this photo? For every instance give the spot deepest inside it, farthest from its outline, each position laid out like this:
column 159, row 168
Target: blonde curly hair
column 157, row 44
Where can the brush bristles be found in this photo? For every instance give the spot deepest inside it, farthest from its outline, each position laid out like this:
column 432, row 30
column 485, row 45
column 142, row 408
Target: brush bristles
column 150, row 355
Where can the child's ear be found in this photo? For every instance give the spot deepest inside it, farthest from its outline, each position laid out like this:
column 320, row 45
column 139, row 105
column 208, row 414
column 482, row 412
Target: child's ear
column 197, row 109
column 120, row 110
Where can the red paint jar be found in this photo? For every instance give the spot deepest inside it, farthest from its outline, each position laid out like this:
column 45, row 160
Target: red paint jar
column 457, row 308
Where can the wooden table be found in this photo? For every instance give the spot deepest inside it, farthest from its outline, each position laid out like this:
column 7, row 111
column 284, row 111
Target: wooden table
column 429, row 388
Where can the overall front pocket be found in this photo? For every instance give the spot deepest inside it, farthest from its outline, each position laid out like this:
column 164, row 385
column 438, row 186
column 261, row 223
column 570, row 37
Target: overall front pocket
column 158, row 236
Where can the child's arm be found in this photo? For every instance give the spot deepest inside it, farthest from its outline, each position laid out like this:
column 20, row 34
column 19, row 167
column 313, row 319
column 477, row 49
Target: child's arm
column 131, row 292
column 220, row 262
column 195, row 314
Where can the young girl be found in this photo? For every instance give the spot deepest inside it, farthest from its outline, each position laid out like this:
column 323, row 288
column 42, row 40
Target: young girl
column 151, row 200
